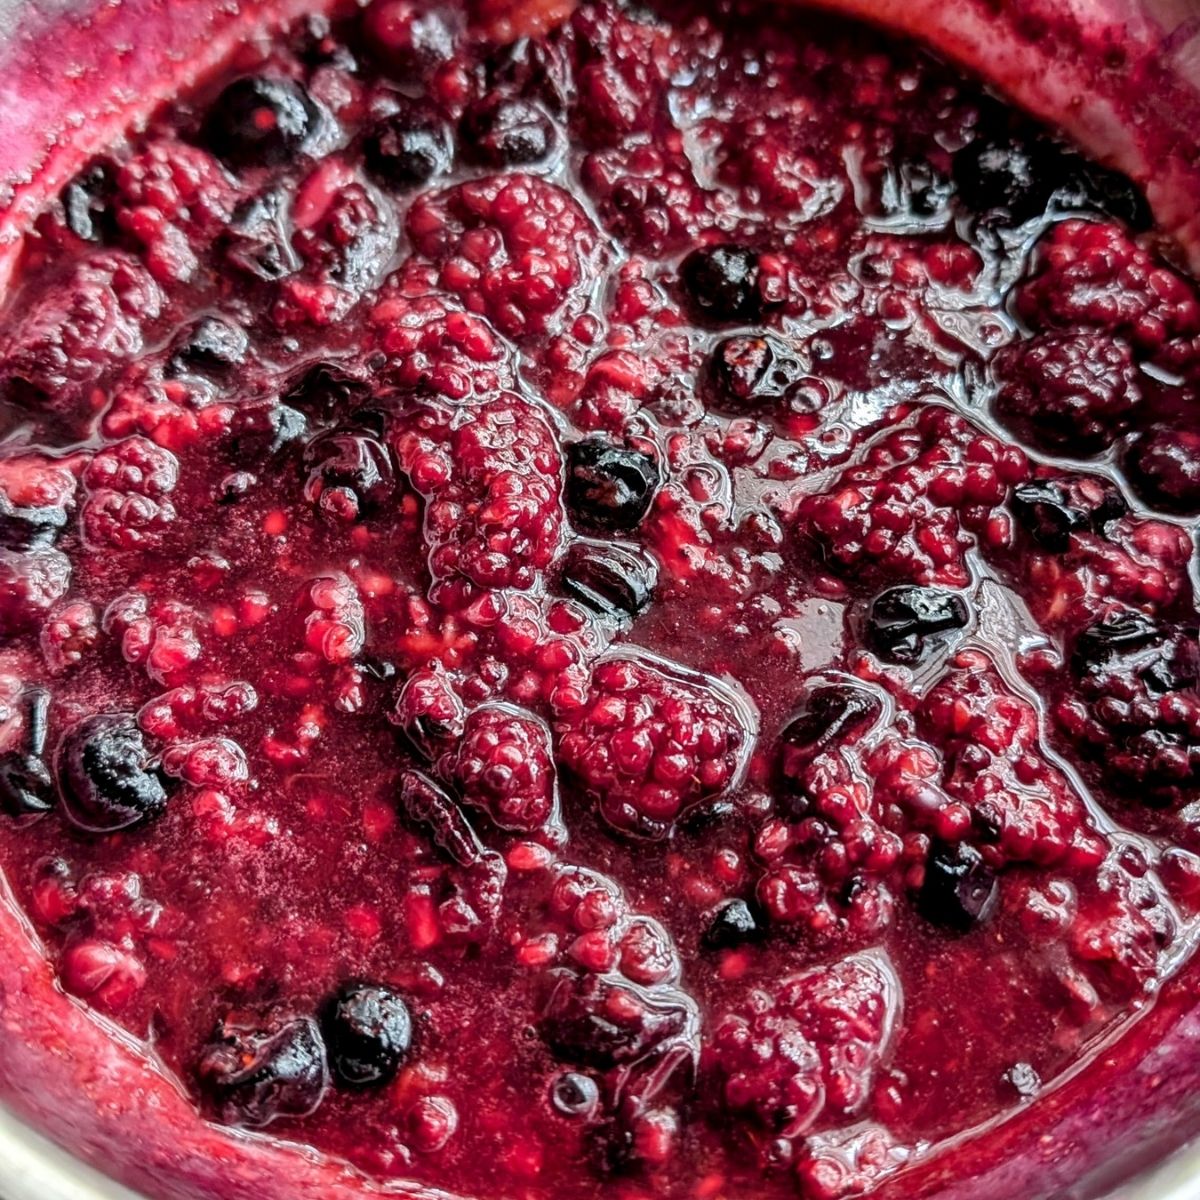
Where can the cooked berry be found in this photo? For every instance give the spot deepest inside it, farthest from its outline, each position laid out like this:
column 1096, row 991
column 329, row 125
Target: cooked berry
column 1050, row 511
column 902, row 618
column 87, row 203
column 257, row 240
column 611, row 579
column 368, row 1034
column 253, row 1072
column 213, row 346
column 349, row 472
column 733, row 924
column 831, row 714
column 407, row 148
column 574, row 1095
column 259, row 431
column 26, row 785
column 326, row 390
column 106, row 777
column 1164, row 468
column 959, row 891
column 752, row 371
column 995, row 174
column 27, row 528
column 1070, row 393
column 609, row 487
column 501, row 131
column 721, row 282
column 259, row 121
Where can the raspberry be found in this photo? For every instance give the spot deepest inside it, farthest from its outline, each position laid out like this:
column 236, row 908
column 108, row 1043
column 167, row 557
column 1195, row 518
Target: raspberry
column 1091, row 275
column 127, row 488
column 503, row 765
column 919, row 498
column 432, row 345
column 429, row 711
column 88, row 322
column 648, row 745
column 161, row 635
column 808, row 1047
column 1071, row 392
column 492, row 479
column 514, row 248
column 990, row 761
column 174, row 199
column 1134, row 707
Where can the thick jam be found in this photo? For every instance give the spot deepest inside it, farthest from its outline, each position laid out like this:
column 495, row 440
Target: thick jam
column 608, row 615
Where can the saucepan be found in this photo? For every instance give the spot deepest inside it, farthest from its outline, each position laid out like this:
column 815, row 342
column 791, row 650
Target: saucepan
column 84, row 1106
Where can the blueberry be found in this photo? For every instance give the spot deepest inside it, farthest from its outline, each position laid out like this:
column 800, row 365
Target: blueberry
column 903, row 617
column 1133, row 644
column 26, row 786
column 959, row 890
column 368, row 1033
column 610, row 579
column 733, row 924
column 609, row 487
column 499, row 131
column 105, row 777
column 997, row 174
column 257, row 241
column 254, row 1071
column 407, row 148
column 352, row 461
column 211, row 346
column 262, row 430
column 87, row 203
column 1044, row 512
column 721, row 282
column 259, row 121
column 574, row 1095
column 832, row 713
column 325, row 391
column 749, row 371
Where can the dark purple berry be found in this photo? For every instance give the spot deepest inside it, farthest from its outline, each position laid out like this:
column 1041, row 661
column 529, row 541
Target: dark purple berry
column 258, row 240
column 902, row 618
column 609, row 487
column 326, row 391
column 750, row 371
column 959, row 890
column 1163, row 465
column 29, row 528
column 610, row 579
column 499, row 131
column 351, row 461
column 998, row 175
column 733, row 924
column 106, row 778
column 253, row 1072
column 407, row 148
column 212, row 346
column 368, row 1034
column 259, row 121
column 721, row 282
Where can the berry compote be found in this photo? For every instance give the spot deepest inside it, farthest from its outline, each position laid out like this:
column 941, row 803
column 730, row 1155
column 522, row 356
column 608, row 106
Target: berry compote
column 604, row 615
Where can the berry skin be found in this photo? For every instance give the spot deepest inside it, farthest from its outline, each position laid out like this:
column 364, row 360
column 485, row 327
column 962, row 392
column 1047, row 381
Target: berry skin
column 808, row 1046
column 753, row 372
column 213, row 346
column 574, row 1095
column 26, row 785
column 1051, row 510
column 504, row 766
column 994, row 175
column 648, row 746
column 259, row 121
column 252, row 1072
column 407, row 148
column 958, row 891
column 499, row 131
column 349, row 473
column 721, row 283
column 609, row 487
column 368, row 1034
column 610, row 579
column 1067, row 393
column 902, row 619
column 733, row 924
column 105, row 778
